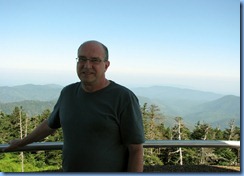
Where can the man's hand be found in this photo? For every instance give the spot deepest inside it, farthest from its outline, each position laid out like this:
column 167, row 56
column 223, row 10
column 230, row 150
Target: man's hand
column 39, row 133
column 14, row 144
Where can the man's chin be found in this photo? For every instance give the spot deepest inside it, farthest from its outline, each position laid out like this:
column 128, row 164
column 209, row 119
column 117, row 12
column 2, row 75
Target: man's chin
column 87, row 81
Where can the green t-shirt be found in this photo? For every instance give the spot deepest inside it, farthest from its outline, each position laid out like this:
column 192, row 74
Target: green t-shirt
column 97, row 127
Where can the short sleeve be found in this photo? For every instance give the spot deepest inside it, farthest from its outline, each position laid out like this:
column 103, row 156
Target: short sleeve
column 131, row 124
column 54, row 119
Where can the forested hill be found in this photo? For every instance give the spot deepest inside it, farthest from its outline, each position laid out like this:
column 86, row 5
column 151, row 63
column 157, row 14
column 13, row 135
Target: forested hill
column 191, row 105
column 31, row 107
column 29, row 92
column 219, row 111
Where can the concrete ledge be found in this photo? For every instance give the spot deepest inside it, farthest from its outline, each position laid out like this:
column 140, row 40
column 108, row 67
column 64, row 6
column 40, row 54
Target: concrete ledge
column 191, row 168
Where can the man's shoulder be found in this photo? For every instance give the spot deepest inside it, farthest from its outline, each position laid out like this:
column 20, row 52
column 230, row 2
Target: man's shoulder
column 122, row 89
column 119, row 87
column 71, row 87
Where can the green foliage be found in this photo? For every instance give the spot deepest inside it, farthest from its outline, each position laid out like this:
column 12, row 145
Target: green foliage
column 152, row 132
column 10, row 125
column 190, row 156
column 233, row 132
column 9, row 163
column 19, row 123
column 202, row 132
column 152, row 160
column 226, row 156
column 218, row 134
column 151, row 117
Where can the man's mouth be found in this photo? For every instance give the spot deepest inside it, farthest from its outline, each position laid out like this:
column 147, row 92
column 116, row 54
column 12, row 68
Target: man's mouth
column 87, row 73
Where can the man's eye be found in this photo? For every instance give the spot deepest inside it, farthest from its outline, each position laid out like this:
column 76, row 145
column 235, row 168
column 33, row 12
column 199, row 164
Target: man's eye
column 83, row 59
column 95, row 60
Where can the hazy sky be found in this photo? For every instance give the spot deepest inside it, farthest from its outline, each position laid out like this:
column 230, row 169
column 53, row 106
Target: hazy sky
column 184, row 43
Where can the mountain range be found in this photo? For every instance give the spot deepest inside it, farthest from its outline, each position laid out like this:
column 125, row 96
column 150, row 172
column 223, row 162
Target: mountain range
column 192, row 105
column 29, row 92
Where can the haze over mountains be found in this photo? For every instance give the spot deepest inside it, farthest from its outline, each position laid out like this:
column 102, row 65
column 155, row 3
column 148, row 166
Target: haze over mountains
column 191, row 105
column 29, row 92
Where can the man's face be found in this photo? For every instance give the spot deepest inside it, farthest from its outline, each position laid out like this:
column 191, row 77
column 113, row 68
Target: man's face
column 91, row 66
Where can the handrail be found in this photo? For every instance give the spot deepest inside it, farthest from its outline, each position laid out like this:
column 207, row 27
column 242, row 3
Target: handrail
column 148, row 144
column 191, row 143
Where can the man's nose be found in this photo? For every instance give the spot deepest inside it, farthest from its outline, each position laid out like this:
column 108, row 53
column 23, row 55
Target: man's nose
column 88, row 64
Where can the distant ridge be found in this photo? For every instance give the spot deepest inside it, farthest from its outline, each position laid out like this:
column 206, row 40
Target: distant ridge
column 175, row 101
column 191, row 105
column 29, row 92
column 218, row 111
column 31, row 107
column 168, row 92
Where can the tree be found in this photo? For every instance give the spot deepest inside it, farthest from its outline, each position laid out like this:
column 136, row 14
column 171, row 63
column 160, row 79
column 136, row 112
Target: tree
column 151, row 121
column 4, row 128
column 225, row 156
column 21, row 137
column 20, row 126
column 229, row 156
column 179, row 132
column 150, row 117
column 51, row 159
column 218, row 134
column 233, row 132
column 203, row 132
column 155, row 129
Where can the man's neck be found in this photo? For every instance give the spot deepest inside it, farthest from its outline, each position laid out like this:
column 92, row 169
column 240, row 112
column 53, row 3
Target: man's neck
column 92, row 87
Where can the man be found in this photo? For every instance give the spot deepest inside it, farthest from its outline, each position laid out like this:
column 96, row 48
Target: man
column 101, row 120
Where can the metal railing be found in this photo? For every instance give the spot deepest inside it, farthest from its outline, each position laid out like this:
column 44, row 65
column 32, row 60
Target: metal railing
column 41, row 146
column 148, row 144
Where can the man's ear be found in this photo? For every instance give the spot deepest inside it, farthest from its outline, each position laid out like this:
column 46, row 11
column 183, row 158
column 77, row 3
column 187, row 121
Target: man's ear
column 107, row 64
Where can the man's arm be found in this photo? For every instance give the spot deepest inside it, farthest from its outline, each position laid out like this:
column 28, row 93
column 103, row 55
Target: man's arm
column 135, row 158
column 39, row 133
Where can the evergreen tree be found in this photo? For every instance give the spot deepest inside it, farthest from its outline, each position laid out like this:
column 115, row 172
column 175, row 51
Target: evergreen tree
column 4, row 128
column 50, row 158
column 233, row 132
column 150, row 117
column 20, row 126
column 229, row 156
column 179, row 132
column 203, row 132
column 217, row 134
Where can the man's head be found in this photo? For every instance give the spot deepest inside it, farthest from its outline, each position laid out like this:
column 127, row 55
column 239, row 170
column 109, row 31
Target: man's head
column 106, row 54
column 92, row 62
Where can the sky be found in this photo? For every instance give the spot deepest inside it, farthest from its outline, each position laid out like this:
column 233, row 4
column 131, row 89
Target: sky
column 182, row 43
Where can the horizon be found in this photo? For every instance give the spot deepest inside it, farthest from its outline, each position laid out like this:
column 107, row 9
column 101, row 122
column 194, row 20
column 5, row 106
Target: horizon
column 130, row 87
column 192, row 44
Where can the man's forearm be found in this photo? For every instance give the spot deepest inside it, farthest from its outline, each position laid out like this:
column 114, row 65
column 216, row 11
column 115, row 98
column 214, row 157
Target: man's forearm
column 135, row 163
column 39, row 133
